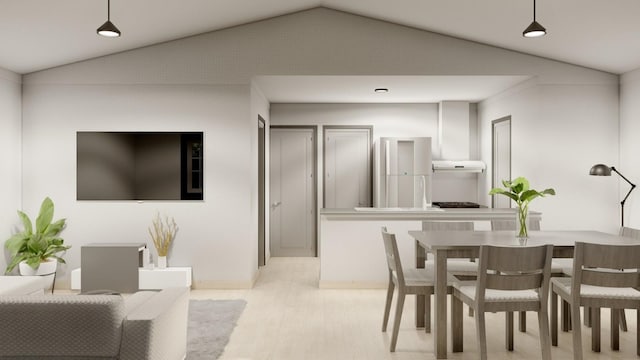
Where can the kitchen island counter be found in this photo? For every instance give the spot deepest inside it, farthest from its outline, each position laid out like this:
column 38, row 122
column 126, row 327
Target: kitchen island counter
column 350, row 244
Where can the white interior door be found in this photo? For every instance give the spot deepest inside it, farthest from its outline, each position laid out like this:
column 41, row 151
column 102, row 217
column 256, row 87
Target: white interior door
column 501, row 159
column 292, row 192
column 347, row 167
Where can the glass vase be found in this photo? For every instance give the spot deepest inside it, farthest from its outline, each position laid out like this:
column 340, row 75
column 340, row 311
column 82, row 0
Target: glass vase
column 522, row 222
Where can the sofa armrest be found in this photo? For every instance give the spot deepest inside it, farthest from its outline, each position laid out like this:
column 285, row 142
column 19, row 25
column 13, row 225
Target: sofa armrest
column 61, row 326
column 157, row 328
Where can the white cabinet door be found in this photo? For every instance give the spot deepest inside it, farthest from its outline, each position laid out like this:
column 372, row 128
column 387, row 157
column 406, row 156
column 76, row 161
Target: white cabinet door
column 292, row 192
column 347, row 167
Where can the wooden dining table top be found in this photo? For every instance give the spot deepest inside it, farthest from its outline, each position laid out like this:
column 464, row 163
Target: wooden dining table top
column 442, row 240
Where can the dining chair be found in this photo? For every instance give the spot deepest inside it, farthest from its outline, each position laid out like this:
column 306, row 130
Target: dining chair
column 635, row 234
column 463, row 268
column 509, row 279
column 534, row 225
column 597, row 282
column 567, row 269
column 409, row 281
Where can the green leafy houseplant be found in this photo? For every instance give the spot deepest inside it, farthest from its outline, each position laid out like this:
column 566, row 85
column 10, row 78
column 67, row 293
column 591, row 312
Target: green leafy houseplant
column 40, row 244
column 520, row 191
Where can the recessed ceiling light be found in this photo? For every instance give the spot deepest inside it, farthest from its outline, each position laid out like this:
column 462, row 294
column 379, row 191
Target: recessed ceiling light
column 381, row 90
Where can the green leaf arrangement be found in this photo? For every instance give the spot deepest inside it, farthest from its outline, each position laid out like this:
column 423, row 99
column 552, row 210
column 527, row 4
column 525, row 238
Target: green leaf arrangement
column 40, row 244
column 521, row 192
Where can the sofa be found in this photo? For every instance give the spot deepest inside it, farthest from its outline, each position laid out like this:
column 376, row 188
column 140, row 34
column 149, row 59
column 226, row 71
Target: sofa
column 143, row 325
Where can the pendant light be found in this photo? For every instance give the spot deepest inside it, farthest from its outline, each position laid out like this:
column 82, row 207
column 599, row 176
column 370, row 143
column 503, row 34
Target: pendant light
column 535, row 29
column 108, row 29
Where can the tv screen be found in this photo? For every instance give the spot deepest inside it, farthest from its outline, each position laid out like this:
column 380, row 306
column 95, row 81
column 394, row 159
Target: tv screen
column 139, row 165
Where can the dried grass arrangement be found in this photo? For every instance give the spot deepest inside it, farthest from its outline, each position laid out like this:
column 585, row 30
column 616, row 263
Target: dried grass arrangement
column 163, row 232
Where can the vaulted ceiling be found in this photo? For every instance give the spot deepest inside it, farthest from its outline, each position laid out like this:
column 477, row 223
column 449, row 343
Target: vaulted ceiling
column 37, row 34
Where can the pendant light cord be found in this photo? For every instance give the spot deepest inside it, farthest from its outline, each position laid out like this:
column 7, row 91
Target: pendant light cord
column 534, row 10
column 109, row 10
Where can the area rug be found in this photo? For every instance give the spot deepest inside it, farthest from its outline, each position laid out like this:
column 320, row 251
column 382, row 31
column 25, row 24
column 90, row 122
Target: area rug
column 211, row 323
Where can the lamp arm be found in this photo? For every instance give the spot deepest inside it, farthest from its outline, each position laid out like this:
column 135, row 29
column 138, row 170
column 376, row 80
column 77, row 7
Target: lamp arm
column 633, row 186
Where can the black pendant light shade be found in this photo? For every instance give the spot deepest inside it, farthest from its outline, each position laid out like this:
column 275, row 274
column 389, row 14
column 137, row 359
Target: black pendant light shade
column 108, row 29
column 535, row 29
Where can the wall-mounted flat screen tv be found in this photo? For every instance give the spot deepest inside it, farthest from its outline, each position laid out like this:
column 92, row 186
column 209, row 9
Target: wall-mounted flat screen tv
column 139, row 165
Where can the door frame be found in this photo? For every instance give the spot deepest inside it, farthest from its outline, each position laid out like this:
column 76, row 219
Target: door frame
column 324, row 155
column 493, row 154
column 262, row 134
column 314, row 195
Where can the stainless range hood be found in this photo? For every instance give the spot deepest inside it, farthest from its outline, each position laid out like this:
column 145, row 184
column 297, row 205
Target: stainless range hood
column 475, row 166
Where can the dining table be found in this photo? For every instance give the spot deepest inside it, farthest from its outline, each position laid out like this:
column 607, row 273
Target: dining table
column 466, row 244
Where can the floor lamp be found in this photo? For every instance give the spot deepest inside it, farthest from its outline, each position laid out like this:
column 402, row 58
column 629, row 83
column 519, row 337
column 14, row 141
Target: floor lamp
column 604, row 170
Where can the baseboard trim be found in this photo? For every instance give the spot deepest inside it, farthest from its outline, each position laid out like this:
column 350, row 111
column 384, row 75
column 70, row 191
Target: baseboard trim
column 351, row 285
column 230, row 285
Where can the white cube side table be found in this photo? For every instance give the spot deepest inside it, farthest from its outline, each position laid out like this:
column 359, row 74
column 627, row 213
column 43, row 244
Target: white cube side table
column 149, row 279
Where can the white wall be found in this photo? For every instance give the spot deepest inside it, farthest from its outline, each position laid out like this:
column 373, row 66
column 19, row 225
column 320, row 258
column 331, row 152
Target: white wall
column 629, row 163
column 213, row 235
column 557, row 132
column 202, row 83
column 388, row 120
column 10, row 148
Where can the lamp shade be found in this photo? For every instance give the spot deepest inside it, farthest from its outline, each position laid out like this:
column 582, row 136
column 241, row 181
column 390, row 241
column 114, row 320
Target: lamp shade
column 534, row 30
column 108, row 29
column 600, row 170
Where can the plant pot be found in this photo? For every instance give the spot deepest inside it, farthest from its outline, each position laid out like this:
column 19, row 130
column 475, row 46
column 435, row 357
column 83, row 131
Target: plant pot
column 46, row 268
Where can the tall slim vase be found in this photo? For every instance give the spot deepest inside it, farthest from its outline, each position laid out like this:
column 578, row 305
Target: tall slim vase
column 522, row 223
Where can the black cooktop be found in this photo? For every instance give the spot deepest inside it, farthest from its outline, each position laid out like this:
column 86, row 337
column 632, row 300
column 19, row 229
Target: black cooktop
column 455, row 204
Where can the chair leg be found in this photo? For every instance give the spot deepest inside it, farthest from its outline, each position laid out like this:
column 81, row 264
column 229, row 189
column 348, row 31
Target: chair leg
column 427, row 314
column 577, row 332
column 554, row 319
column 387, row 305
column 565, row 311
column 595, row 329
column 396, row 321
column 637, row 332
column 623, row 321
column 615, row 328
column 543, row 321
column 587, row 316
column 509, row 330
column 523, row 321
column 456, row 324
column 482, row 334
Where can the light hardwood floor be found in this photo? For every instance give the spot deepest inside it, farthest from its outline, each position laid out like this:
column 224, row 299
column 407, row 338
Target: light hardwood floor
column 289, row 318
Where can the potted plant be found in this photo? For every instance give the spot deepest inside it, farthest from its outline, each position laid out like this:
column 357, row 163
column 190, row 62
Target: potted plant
column 520, row 192
column 37, row 250
column 163, row 233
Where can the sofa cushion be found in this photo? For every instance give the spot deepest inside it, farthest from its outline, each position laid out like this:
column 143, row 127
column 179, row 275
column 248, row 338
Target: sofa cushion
column 61, row 326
